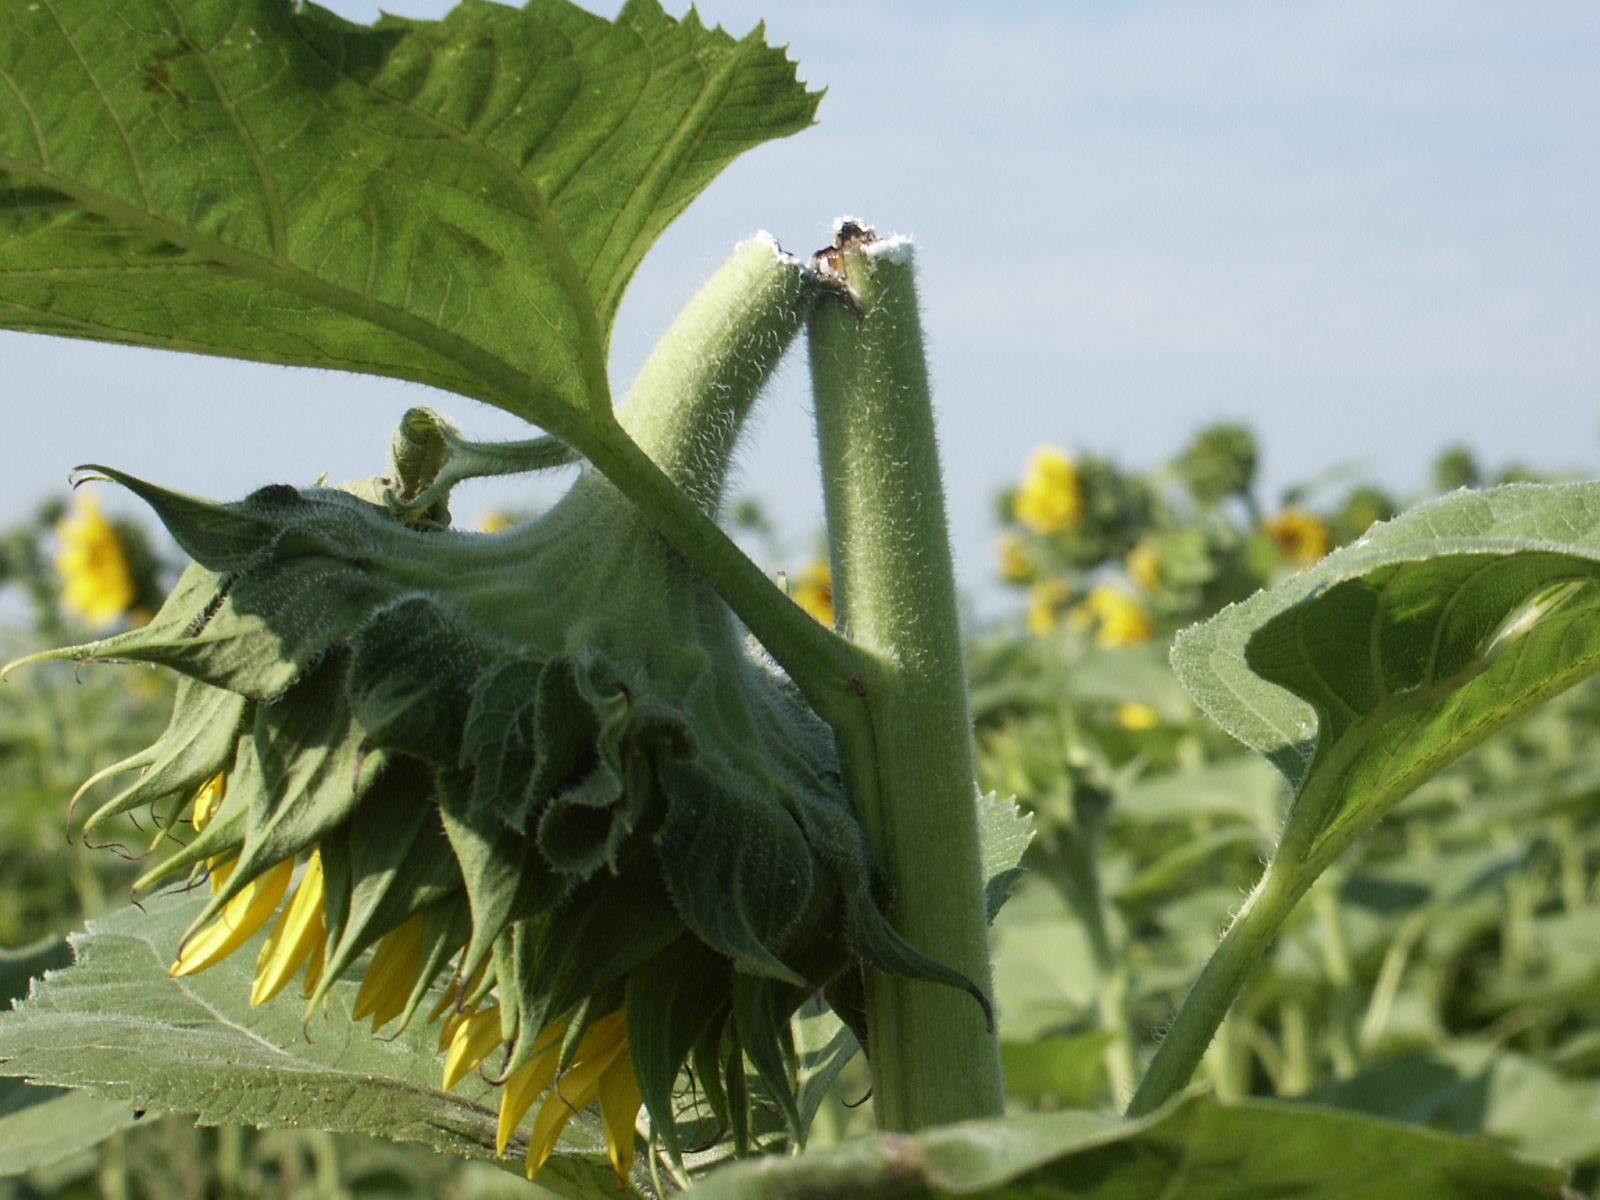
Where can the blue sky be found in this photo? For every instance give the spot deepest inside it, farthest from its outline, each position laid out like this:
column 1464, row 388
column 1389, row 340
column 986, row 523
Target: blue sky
column 1364, row 228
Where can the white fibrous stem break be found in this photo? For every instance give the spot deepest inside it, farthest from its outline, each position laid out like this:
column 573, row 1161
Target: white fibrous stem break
column 762, row 237
column 897, row 249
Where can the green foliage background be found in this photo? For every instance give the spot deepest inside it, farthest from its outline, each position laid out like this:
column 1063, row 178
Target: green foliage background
column 1444, row 974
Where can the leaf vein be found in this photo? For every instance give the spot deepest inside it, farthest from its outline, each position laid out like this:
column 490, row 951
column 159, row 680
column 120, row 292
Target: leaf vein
column 105, row 101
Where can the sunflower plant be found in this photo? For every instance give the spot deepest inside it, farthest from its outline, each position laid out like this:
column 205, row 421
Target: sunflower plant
column 589, row 816
column 535, row 782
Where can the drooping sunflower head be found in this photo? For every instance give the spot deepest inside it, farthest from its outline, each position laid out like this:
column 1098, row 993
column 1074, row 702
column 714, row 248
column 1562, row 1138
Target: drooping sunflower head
column 1114, row 618
column 538, row 770
column 1074, row 512
column 1301, row 536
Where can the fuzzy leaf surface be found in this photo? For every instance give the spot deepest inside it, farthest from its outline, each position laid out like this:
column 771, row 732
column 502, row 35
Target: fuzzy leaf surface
column 42, row 1125
column 1365, row 675
column 115, row 1024
column 1476, row 1089
column 1199, row 1150
column 457, row 202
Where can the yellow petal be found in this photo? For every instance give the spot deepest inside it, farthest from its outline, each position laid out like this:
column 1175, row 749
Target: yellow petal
column 455, row 993
column 390, row 1005
column 620, row 1101
column 813, row 591
column 604, row 1036
column 241, row 917
column 316, row 960
column 526, row 1082
column 208, row 799
column 577, row 1088
column 300, row 929
column 392, row 974
column 219, row 867
column 574, row 1092
column 470, row 1043
column 451, row 1024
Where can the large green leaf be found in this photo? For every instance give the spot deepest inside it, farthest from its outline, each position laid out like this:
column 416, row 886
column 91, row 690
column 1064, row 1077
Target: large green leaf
column 1238, row 788
column 458, row 202
column 117, row 1025
column 1365, row 675
column 1043, row 965
column 1058, row 1072
column 1199, row 1150
column 1475, row 1088
column 40, row 1125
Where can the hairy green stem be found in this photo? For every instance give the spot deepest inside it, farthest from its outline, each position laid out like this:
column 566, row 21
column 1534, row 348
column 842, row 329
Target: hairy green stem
column 1111, row 1009
column 1299, row 1071
column 1074, row 868
column 329, row 1183
column 671, row 451
column 1390, row 974
column 1344, row 1045
column 1570, row 845
column 1214, row 991
column 112, row 1172
column 910, row 769
column 687, row 406
column 230, row 1160
column 1224, row 1058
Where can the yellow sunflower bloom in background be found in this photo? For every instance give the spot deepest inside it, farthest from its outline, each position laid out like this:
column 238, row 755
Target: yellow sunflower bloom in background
column 1136, row 717
column 813, row 590
column 495, row 521
column 1301, row 536
column 1116, row 617
column 1050, row 499
column 1144, row 565
column 97, row 582
column 1046, row 601
column 1014, row 564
